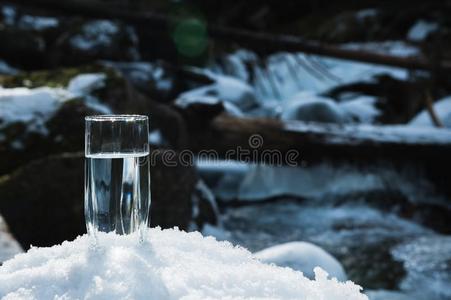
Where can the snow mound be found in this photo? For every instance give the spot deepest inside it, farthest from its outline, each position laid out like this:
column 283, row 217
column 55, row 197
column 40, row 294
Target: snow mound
column 172, row 265
column 304, row 257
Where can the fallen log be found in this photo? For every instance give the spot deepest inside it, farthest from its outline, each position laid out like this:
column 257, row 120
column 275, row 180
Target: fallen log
column 315, row 142
column 261, row 41
column 425, row 151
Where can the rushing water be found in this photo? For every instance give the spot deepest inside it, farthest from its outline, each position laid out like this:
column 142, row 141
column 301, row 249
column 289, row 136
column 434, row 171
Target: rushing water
column 379, row 250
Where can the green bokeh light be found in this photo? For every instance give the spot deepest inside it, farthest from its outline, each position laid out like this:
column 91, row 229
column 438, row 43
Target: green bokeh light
column 190, row 37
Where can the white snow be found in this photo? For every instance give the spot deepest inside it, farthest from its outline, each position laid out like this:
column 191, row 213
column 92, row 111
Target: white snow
column 286, row 74
column 304, row 257
column 421, row 29
column 172, row 265
column 443, row 110
column 84, row 84
column 35, row 106
column 427, row 262
column 37, row 22
column 30, row 106
column 229, row 90
column 97, row 33
column 395, row 48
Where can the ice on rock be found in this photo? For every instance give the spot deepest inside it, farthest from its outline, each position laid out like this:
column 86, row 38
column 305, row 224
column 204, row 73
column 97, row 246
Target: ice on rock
column 172, row 265
column 304, row 257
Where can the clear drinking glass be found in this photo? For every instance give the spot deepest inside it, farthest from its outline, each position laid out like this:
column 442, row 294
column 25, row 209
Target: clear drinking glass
column 117, row 181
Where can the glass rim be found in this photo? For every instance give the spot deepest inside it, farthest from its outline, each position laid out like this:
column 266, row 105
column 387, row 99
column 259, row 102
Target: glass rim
column 119, row 117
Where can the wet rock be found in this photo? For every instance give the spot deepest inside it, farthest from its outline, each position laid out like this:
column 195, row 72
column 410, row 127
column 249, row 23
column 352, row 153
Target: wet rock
column 42, row 202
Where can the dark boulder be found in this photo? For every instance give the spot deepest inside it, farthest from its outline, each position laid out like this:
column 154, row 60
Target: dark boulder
column 42, row 202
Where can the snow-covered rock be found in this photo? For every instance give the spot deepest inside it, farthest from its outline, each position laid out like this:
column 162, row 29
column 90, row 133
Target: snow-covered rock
column 421, row 29
column 443, row 110
column 34, row 107
column 231, row 91
column 304, row 257
column 84, row 84
column 308, row 107
column 30, row 106
column 171, row 265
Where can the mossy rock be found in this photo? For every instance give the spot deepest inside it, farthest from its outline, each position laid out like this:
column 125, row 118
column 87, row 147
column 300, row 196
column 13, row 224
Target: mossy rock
column 42, row 202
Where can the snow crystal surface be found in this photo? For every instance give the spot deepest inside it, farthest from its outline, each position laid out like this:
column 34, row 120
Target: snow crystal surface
column 421, row 29
column 171, row 265
column 304, row 257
